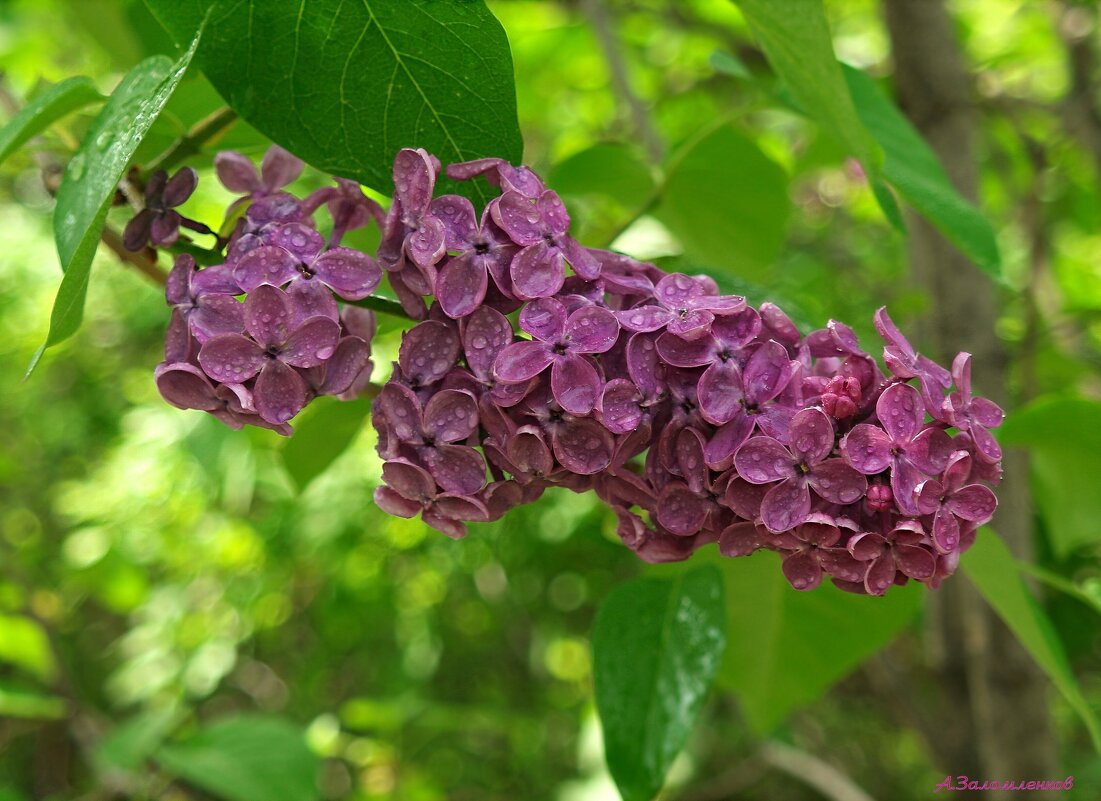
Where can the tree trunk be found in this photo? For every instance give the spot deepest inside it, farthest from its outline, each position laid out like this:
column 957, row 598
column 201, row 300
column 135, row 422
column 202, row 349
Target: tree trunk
column 1001, row 725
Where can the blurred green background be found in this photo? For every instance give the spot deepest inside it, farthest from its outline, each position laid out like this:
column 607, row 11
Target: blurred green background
column 158, row 570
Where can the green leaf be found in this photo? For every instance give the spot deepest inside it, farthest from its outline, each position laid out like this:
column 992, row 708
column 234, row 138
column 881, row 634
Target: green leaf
column 1063, row 436
column 912, row 168
column 93, row 174
column 345, row 85
column 992, row 568
column 16, row 702
column 606, row 186
column 795, row 36
column 656, row 646
column 730, row 64
column 46, row 109
column 788, row 647
column 130, row 744
column 248, row 758
column 322, row 436
column 23, row 643
column 727, row 203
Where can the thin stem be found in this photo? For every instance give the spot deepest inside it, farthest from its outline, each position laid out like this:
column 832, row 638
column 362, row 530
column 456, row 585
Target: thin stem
column 142, row 261
column 191, row 143
column 621, row 82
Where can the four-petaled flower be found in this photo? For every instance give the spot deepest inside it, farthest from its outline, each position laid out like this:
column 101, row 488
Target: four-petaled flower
column 480, row 250
column 812, row 549
column 562, row 343
column 277, row 343
column 974, row 415
column 682, row 305
column 799, row 467
column 159, row 222
column 952, row 499
column 913, row 453
column 410, row 489
column 539, row 225
column 898, row 551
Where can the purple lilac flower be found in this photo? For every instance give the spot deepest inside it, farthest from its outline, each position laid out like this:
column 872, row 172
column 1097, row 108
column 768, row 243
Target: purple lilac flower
column 694, row 416
column 562, row 343
column 159, row 222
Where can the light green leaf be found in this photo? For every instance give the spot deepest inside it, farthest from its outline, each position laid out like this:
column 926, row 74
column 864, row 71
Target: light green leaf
column 345, row 85
column 729, row 64
column 16, row 702
column 248, row 758
column 656, row 646
column 92, row 176
column 39, row 114
column 992, row 568
column 1063, row 436
column 24, row 644
column 795, row 36
column 322, row 436
column 788, row 647
column 727, row 203
column 912, row 168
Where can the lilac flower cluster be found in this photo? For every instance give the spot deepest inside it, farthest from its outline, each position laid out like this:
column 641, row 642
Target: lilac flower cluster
column 536, row 362
column 697, row 417
column 254, row 339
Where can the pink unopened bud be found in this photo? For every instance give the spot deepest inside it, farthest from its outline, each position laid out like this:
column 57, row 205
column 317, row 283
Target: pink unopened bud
column 841, row 397
column 879, row 498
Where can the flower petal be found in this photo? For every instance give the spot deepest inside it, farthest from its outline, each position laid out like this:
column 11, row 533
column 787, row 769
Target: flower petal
column 881, row 575
column 298, row 239
column 537, row 271
column 351, row 357
column 185, row 387
column 802, row 570
column 231, row 358
column 767, row 372
column 592, row 329
column 451, row 416
column 311, row 344
column 351, row 274
column 736, row 329
column 812, row 435
column 901, row 412
column 268, row 316
column 394, row 504
column 520, row 218
column 619, row 406
column 905, row 479
column 456, row 468
column 684, row 353
column 308, row 298
column 544, row 319
column 682, row 511
column 280, row 392
column 974, row 503
column 428, row 351
column 837, row 482
column 165, row 229
column 522, row 361
column 867, row 546
column 408, row 480
column 237, row 173
column 786, row 505
column 575, row 383
column 214, row 315
column 720, row 392
column 986, row 413
column 461, row 285
column 762, row 460
column 724, row 443
column 915, row 561
column 740, row 539
column 136, row 233
column 582, row 446
column 267, row 264
column 946, row 531
column 528, row 451
column 486, row 333
column 644, row 365
column 460, row 224
column 279, row 168
column 929, row 450
column 867, row 448
column 581, row 261
column 402, row 410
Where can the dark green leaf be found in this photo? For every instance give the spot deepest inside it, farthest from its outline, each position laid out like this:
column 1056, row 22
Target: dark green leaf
column 345, row 85
column 322, row 436
column 992, row 568
column 795, row 36
column 1063, row 436
column 727, row 203
column 788, row 647
column 656, row 646
column 249, row 758
column 93, row 174
column 914, row 170
column 46, row 109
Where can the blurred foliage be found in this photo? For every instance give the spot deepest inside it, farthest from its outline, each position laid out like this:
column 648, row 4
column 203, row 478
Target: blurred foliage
column 164, row 580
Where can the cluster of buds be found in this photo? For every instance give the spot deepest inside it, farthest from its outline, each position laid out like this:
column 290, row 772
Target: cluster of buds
column 695, row 416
